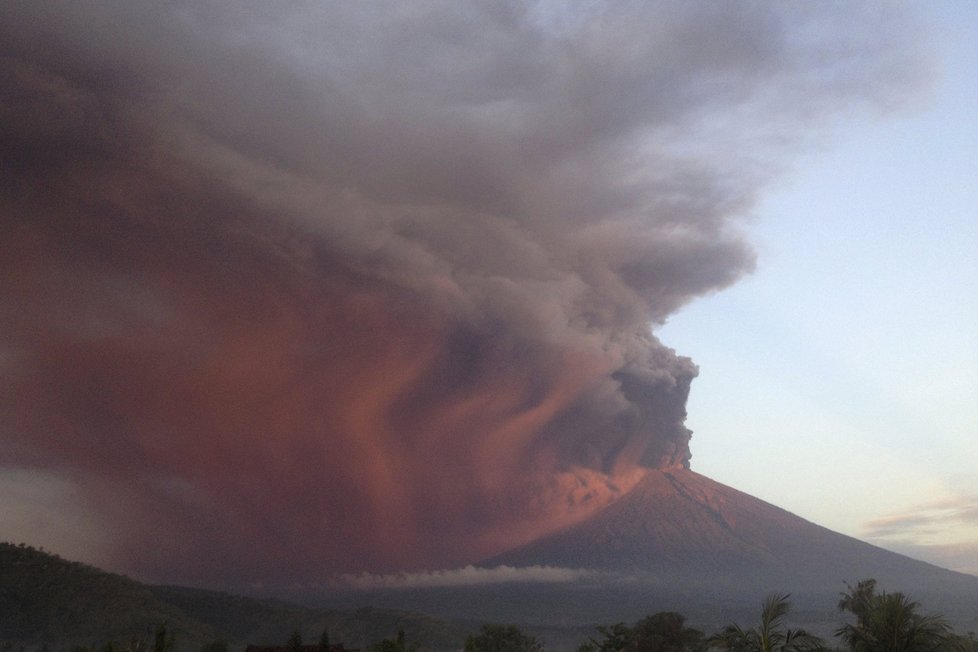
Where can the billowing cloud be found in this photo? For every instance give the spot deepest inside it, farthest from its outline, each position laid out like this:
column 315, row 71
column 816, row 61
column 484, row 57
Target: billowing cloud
column 342, row 287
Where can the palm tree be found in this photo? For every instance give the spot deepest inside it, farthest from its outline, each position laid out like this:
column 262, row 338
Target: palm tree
column 858, row 599
column 771, row 635
column 616, row 638
column 890, row 623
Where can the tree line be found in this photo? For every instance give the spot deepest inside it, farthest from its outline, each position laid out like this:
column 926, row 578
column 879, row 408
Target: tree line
column 883, row 622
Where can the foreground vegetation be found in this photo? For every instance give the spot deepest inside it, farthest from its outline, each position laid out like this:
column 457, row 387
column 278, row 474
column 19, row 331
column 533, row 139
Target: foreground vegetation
column 884, row 622
column 50, row 605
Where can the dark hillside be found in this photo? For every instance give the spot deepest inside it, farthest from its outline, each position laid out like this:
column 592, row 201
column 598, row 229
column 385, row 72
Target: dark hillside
column 263, row 621
column 47, row 600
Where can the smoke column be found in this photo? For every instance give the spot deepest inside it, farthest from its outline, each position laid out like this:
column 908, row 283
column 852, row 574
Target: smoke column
column 333, row 287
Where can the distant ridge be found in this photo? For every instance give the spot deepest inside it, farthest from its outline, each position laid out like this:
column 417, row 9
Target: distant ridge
column 680, row 526
column 47, row 600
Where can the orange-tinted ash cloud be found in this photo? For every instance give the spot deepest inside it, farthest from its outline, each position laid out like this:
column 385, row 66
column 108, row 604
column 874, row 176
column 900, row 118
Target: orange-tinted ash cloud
column 339, row 290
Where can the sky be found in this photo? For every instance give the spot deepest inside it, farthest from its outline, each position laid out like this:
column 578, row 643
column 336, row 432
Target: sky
column 859, row 328
column 276, row 281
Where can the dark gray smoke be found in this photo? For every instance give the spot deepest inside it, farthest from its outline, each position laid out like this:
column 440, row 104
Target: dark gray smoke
column 314, row 287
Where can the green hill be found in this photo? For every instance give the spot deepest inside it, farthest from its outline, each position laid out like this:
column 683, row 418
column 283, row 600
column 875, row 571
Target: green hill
column 272, row 621
column 47, row 600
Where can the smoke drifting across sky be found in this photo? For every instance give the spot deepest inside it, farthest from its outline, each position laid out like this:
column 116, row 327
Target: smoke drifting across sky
column 298, row 289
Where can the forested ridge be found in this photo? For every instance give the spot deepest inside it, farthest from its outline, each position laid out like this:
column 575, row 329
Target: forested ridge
column 49, row 601
column 48, row 604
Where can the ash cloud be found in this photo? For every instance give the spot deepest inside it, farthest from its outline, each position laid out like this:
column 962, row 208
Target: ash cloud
column 343, row 287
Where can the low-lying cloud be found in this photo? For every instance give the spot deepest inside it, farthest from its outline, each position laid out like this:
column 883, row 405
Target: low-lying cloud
column 926, row 522
column 342, row 287
column 467, row 576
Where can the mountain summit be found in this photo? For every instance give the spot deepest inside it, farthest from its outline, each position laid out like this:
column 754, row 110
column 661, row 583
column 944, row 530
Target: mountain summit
column 679, row 526
column 679, row 541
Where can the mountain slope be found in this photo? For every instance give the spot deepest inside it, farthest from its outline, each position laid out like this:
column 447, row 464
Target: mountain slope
column 45, row 599
column 678, row 525
column 682, row 542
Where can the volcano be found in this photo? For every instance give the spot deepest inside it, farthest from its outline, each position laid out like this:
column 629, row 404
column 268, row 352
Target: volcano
column 679, row 541
column 679, row 526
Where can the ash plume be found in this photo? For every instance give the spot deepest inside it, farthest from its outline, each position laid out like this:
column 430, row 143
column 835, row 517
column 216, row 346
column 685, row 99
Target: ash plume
column 344, row 287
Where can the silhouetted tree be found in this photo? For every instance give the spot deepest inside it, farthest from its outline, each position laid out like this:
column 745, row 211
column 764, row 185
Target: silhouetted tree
column 962, row 643
column 665, row 632
column 501, row 638
column 324, row 640
column 162, row 640
column 398, row 644
column 889, row 622
column 857, row 599
column 770, row 635
column 661, row 632
column 294, row 643
column 615, row 638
